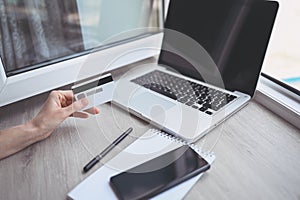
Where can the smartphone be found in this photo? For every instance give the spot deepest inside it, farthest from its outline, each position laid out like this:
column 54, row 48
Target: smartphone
column 159, row 174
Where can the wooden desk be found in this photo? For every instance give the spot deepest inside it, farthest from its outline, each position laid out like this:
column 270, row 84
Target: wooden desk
column 258, row 154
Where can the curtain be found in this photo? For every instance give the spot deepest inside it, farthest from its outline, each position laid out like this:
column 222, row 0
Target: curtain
column 35, row 31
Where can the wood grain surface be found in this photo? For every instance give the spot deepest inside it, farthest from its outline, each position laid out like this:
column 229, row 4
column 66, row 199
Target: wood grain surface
column 257, row 154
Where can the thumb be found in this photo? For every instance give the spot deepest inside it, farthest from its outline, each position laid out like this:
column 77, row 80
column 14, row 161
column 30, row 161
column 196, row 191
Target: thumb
column 76, row 106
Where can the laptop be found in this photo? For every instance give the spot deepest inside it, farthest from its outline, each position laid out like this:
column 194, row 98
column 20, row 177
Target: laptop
column 208, row 68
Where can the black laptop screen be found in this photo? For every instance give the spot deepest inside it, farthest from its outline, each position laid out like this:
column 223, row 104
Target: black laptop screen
column 235, row 33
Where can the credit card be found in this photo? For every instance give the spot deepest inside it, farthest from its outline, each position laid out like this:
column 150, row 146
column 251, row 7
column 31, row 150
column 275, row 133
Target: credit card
column 97, row 90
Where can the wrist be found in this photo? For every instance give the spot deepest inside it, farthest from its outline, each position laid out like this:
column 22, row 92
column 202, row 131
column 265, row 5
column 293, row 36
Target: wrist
column 37, row 132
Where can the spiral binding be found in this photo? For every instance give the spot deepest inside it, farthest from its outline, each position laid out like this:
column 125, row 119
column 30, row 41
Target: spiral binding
column 180, row 141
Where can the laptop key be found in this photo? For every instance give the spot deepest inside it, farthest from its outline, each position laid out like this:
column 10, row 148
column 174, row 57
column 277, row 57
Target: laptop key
column 208, row 112
column 182, row 100
column 207, row 105
column 189, row 103
column 200, row 102
column 216, row 107
column 196, row 107
column 203, row 109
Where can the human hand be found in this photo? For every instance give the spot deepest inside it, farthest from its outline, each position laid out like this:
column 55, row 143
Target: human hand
column 57, row 108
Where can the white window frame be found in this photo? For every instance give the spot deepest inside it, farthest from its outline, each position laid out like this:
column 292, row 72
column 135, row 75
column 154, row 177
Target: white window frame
column 279, row 100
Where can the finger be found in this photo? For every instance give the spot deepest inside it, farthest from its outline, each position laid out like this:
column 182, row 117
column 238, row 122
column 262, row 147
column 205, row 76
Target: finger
column 67, row 93
column 80, row 115
column 76, row 106
column 93, row 110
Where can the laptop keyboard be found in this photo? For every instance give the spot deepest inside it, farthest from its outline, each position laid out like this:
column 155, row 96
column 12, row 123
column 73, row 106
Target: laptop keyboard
column 197, row 96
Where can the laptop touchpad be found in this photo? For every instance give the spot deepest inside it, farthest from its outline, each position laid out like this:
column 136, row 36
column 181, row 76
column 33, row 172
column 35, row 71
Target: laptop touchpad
column 149, row 104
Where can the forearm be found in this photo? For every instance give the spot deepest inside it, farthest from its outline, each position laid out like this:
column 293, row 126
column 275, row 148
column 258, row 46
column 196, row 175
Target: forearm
column 56, row 109
column 17, row 138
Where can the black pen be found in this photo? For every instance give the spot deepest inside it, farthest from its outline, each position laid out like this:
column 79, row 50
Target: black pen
column 95, row 160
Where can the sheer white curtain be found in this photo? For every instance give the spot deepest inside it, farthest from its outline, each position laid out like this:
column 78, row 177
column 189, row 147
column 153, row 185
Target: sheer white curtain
column 37, row 30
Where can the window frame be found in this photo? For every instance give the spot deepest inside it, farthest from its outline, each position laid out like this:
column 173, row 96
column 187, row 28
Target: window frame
column 280, row 98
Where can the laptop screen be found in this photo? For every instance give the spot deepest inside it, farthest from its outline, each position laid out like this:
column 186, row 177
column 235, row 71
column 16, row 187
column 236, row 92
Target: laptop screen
column 235, row 34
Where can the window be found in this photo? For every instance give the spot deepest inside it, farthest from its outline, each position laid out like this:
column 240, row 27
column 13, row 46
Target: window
column 282, row 63
column 279, row 86
column 39, row 32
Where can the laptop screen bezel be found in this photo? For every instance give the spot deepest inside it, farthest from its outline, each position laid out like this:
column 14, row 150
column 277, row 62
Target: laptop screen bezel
column 169, row 61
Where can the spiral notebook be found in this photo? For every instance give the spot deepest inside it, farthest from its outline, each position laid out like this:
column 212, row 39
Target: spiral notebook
column 152, row 144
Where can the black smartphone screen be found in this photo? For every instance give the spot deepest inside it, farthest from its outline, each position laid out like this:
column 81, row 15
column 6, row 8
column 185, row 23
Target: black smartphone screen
column 158, row 174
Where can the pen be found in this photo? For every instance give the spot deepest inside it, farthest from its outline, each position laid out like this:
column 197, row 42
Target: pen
column 95, row 160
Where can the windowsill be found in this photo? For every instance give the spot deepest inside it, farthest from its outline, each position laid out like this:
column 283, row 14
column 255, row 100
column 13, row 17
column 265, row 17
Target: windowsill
column 279, row 100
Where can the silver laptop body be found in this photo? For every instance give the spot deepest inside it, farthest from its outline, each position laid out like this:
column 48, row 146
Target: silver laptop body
column 174, row 100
